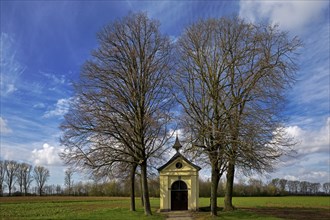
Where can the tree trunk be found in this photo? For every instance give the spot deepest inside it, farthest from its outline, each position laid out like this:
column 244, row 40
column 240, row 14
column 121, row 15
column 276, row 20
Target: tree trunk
column 145, row 190
column 132, row 176
column 229, row 187
column 1, row 192
column 142, row 202
column 214, row 188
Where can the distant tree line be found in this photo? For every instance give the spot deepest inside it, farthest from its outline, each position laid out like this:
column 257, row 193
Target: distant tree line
column 113, row 187
column 17, row 178
column 276, row 187
column 252, row 187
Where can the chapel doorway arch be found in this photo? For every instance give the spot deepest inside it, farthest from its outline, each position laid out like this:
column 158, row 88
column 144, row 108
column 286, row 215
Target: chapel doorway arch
column 179, row 195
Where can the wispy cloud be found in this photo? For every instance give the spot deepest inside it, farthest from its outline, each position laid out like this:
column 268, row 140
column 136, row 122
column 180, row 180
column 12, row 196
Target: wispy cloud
column 308, row 101
column 10, row 67
column 61, row 108
column 290, row 15
column 39, row 105
column 309, row 98
column 55, row 79
column 9, row 152
column 4, row 128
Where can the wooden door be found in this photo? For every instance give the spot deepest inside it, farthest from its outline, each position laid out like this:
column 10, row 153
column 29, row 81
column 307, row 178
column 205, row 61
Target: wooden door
column 179, row 196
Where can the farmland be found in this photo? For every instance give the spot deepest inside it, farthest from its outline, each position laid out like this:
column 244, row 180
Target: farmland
column 118, row 208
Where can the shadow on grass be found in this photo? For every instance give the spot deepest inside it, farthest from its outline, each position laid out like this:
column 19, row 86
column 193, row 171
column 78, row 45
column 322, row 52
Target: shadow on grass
column 208, row 209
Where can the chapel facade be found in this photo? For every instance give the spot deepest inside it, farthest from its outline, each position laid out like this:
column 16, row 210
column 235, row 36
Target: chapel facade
column 179, row 185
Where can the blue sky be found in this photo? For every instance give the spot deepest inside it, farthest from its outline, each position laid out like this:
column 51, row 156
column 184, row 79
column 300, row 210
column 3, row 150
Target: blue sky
column 45, row 43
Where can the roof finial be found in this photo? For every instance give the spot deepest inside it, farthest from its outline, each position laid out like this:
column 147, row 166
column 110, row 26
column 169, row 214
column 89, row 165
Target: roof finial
column 177, row 144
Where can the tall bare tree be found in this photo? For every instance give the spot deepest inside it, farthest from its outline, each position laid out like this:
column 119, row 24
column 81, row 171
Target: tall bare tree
column 123, row 101
column 24, row 177
column 41, row 175
column 261, row 66
column 326, row 188
column 11, row 168
column 68, row 180
column 200, row 77
column 232, row 75
column 2, row 176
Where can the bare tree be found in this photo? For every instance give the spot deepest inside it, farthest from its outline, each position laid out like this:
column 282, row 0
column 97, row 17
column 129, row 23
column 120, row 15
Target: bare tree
column 199, row 77
column 19, row 176
column 315, row 188
column 41, row 175
column 24, row 177
column 2, row 176
column 233, row 74
column 58, row 189
column 261, row 66
column 27, row 177
column 283, row 183
column 304, row 185
column 68, row 181
column 326, row 188
column 296, row 184
column 123, row 100
column 276, row 183
column 291, row 186
column 11, row 168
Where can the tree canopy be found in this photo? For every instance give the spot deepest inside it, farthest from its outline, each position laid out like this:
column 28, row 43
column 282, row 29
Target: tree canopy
column 123, row 100
column 232, row 76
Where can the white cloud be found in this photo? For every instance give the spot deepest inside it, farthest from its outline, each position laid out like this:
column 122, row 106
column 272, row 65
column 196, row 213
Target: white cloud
column 48, row 155
column 10, row 67
column 4, row 129
column 311, row 141
column 61, row 108
column 311, row 163
column 291, row 15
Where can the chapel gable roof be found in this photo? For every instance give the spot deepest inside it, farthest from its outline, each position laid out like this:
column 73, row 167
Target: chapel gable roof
column 177, row 155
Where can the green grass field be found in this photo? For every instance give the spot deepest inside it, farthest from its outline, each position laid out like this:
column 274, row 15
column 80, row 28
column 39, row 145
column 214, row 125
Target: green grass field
column 73, row 208
column 118, row 208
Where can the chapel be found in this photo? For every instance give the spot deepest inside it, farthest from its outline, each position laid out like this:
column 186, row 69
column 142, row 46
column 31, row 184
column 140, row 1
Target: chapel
column 179, row 185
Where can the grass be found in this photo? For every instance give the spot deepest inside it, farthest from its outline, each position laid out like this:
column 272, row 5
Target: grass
column 287, row 201
column 73, row 208
column 270, row 208
column 118, row 208
column 237, row 214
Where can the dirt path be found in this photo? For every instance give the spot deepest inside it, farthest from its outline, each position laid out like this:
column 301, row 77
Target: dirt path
column 179, row 215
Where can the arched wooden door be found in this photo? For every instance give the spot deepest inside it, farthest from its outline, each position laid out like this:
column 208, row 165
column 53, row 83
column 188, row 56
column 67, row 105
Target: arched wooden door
column 179, row 196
